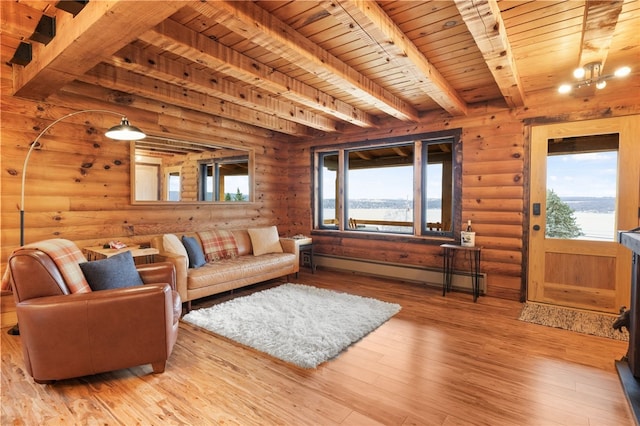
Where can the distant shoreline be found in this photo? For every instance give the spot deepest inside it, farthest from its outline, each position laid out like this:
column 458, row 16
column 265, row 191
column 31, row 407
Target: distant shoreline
column 578, row 204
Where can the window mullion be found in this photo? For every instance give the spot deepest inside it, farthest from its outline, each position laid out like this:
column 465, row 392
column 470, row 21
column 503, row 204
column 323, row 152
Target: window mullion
column 341, row 190
column 419, row 167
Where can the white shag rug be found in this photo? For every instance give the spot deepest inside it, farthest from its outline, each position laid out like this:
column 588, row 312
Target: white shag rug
column 296, row 323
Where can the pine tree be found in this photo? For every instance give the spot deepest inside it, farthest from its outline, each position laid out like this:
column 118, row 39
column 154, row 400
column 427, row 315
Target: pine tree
column 238, row 196
column 561, row 223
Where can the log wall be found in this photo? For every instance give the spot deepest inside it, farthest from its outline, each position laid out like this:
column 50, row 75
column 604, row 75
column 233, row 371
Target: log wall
column 495, row 170
column 78, row 184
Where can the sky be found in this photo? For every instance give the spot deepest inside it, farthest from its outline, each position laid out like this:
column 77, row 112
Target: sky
column 388, row 183
column 585, row 175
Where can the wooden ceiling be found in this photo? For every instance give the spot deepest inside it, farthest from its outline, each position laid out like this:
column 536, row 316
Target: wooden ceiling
column 308, row 68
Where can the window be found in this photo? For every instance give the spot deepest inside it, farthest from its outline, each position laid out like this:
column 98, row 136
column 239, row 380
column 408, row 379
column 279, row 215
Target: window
column 392, row 186
column 224, row 180
column 173, row 185
column 582, row 187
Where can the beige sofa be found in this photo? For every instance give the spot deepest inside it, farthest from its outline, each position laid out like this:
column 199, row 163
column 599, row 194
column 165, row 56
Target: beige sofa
column 227, row 274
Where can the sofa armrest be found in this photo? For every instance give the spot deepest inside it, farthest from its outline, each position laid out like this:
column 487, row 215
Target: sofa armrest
column 87, row 333
column 180, row 266
column 289, row 245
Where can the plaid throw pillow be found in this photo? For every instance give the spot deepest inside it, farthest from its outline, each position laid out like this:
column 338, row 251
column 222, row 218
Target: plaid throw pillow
column 67, row 257
column 218, row 245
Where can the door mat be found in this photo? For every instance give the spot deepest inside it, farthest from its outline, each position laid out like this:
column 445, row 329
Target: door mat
column 587, row 322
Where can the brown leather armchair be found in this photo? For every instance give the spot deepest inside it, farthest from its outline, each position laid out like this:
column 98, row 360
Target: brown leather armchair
column 71, row 335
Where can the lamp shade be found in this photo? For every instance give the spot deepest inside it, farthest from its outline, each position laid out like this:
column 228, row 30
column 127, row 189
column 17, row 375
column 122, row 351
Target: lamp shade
column 125, row 132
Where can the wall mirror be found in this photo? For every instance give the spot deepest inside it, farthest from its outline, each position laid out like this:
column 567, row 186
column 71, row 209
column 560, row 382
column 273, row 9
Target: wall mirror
column 169, row 170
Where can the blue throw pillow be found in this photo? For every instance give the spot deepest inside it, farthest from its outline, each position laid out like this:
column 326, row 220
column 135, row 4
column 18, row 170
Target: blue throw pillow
column 117, row 271
column 194, row 251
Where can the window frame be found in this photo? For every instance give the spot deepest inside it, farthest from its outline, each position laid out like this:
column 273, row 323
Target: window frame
column 214, row 164
column 420, row 145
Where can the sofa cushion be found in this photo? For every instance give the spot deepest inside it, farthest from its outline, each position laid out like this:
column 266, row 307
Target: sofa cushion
column 241, row 268
column 219, row 244
column 172, row 244
column 265, row 240
column 117, row 271
column 194, row 252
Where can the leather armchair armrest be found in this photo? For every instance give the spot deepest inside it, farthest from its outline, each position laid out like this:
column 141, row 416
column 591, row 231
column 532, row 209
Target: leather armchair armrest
column 155, row 273
column 79, row 334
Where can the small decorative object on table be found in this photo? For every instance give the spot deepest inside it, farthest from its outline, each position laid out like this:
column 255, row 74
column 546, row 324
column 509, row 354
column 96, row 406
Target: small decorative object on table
column 117, row 245
column 468, row 237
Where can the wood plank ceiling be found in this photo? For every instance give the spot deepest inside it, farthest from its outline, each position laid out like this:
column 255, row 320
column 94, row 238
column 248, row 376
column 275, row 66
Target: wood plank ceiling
column 308, row 68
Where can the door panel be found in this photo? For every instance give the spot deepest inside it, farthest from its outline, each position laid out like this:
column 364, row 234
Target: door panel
column 578, row 272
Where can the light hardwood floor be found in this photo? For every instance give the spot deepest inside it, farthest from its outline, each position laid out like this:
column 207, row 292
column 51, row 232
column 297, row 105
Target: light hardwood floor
column 440, row 361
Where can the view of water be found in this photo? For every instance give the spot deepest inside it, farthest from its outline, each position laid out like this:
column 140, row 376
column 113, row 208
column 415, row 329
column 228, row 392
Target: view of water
column 596, row 226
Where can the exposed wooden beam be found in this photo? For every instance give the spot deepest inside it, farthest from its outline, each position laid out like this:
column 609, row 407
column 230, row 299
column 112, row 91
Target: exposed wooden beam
column 178, row 39
column 128, row 82
column 187, row 75
column 600, row 20
column 258, row 26
column 102, row 27
column 368, row 19
column 19, row 18
column 487, row 28
column 168, row 115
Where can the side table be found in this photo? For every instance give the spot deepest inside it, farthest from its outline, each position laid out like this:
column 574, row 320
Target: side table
column 99, row 252
column 305, row 246
column 473, row 254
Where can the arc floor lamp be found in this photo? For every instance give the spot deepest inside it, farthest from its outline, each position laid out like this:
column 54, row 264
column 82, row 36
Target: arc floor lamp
column 122, row 132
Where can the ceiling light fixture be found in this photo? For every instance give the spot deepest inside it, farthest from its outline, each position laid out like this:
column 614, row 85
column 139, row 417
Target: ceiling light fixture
column 591, row 74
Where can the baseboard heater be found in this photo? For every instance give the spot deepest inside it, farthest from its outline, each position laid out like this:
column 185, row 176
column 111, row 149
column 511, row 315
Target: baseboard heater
column 460, row 280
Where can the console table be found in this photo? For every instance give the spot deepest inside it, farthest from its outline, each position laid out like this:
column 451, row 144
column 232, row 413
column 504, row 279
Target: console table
column 99, row 252
column 473, row 254
column 629, row 370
